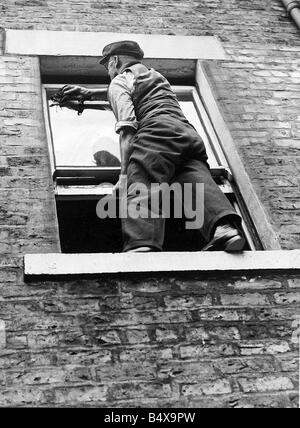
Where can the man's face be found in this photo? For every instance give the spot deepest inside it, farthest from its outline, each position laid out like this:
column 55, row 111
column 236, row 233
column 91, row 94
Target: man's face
column 111, row 67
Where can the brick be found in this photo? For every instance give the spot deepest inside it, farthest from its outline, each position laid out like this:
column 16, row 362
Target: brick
column 79, row 395
column 87, row 357
column 225, row 314
column 275, row 313
column 149, row 287
column 152, row 317
column 224, row 333
column 278, row 330
column 16, row 341
column 213, row 388
column 137, row 336
column 287, row 298
column 192, row 286
column 247, row 299
column 253, row 347
column 165, row 335
column 2, row 334
column 35, row 377
column 256, row 284
column 294, row 283
column 183, row 373
column 143, row 303
column 10, row 275
column 135, row 390
column 270, row 383
column 70, row 337
column 234, row 366
column 22, row 397
column 13, row 358
column 269, row 401
column 202, row 351
column 110, row 337
column 121, row 372
column 197, row 334
column 212, row 333
column 146, row 354
column 278, row 348
column 187, row 302
column 288, row 363
column 10, row 261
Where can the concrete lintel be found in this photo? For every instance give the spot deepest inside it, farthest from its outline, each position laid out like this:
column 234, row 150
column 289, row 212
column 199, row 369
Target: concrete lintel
column 97, row 263
column 71, row 43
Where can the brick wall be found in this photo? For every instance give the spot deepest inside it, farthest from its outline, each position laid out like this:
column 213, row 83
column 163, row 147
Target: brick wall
column 178, row 341
column 163, row 341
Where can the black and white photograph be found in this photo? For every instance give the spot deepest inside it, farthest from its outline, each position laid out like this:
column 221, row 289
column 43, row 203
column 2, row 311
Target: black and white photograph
column 149, row 207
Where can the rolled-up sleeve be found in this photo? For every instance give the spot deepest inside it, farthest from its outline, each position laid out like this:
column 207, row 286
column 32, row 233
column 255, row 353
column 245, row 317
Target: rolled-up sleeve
column 120, row 99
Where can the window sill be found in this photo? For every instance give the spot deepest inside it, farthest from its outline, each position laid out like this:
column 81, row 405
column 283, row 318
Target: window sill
column 56, row 264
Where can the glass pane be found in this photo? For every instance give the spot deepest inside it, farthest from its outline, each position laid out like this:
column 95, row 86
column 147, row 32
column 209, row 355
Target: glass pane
column 191, row 114
column 90, row 139
column 81, row 140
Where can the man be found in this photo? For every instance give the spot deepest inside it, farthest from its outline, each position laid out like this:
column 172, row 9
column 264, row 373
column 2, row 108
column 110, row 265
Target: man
column 158, row 145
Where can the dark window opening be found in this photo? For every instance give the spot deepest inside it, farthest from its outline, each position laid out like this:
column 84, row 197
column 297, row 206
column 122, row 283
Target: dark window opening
column 82, row 231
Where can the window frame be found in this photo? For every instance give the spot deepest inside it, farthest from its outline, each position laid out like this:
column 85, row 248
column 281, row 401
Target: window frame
column 84, row 171
column 95, row 191
column 190, row 92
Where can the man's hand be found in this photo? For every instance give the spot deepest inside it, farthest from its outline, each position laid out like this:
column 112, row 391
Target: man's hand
column 73, row 92
column 121, row 185
column 72, row 105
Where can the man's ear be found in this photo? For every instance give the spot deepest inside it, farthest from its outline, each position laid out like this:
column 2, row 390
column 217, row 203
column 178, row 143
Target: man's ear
column 117, row 61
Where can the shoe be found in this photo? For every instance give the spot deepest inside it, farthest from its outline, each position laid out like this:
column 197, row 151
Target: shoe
column 140, row 250
column 226, row 238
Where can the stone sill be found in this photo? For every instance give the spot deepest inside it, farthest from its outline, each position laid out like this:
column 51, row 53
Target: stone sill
column 57, row 264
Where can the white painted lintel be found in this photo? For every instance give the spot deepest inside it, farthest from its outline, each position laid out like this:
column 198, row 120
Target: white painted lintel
column 55, row 264
column 71, row 43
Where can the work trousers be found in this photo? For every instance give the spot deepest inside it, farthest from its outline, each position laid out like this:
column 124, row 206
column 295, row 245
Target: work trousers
column 168, row 149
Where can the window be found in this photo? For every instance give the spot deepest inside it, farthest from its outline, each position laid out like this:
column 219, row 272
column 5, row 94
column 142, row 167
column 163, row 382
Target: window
column 85, row 161
column 60, row 57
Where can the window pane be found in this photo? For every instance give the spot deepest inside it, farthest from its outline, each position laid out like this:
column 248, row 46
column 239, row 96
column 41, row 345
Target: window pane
column 77, row 139
column 81, row 140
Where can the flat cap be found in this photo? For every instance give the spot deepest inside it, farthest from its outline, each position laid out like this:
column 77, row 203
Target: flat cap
column 125, row 47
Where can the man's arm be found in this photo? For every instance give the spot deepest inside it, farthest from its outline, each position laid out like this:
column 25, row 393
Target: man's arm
column 119, row 96
column 80, row 93
column 126, row 136
column 73, row 97
column 79, row 106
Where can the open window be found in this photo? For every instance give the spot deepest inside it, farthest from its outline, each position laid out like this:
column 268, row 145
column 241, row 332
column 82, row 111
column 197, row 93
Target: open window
column 85, row 162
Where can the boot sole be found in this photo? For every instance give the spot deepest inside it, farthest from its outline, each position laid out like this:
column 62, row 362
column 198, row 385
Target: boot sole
column 236, row 243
